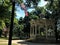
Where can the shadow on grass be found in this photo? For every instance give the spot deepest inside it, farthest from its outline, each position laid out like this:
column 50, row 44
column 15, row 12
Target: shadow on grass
column 4, row 38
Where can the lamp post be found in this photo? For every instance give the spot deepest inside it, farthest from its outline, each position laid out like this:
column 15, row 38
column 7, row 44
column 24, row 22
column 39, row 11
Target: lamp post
column 11, row 25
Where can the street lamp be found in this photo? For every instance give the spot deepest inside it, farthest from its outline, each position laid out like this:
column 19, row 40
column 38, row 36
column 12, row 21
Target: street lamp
column 11, row 25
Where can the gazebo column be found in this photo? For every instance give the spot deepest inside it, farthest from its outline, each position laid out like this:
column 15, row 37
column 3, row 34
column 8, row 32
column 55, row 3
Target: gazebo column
column 30, row 32
column 46, row 28
column 39, row 30
column 35, row 30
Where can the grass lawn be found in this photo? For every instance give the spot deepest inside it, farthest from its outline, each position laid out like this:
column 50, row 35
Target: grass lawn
column 6, row 44
column 1, row 38
column 4, row 41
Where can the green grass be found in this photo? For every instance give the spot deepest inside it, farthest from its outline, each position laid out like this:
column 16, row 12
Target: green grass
column 5, row 40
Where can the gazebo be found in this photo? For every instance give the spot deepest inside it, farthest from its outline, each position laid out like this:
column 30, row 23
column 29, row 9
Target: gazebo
column 41, row 28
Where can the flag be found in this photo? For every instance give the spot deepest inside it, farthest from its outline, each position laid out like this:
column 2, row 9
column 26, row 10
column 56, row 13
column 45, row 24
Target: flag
column 26, row 13
column 23, row 6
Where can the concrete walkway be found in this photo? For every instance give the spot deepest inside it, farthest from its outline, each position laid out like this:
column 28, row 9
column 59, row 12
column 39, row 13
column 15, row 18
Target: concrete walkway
column 23, row 42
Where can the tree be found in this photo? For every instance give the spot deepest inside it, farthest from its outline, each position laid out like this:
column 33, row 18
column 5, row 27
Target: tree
column 5, row 12
column 2, row 25
column 0, row 32
column 15, row 21
column 33, row 15
column 7, row 7
column 21, row 20
column 17, row 30
column 54, row 7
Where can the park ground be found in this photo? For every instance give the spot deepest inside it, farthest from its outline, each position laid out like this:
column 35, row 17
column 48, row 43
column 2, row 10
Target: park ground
column 21, row 42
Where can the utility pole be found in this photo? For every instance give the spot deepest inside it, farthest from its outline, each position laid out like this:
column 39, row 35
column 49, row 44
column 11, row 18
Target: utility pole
column 11, row 25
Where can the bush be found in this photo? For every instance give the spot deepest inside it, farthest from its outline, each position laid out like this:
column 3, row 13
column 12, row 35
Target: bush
column 15, row 38
column 17, row 31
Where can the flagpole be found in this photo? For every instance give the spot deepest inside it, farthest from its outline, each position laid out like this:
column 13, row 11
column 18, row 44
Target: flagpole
column 11, row 25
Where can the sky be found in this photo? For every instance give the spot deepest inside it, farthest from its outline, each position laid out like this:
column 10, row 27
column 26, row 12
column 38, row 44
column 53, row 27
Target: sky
column 20, row 12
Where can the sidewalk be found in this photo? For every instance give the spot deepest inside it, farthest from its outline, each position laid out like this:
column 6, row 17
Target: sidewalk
column 29, row 43
column 24, row 42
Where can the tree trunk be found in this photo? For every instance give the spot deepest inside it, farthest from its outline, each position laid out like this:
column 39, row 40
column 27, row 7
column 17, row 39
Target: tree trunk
column 0, row 33
column 56, row 35
column 11, row 25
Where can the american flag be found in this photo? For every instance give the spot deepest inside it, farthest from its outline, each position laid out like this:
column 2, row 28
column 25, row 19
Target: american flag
column 24, row 7
column 26, row 13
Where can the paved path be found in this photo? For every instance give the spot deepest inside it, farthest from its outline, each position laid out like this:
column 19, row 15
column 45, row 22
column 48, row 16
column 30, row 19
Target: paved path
column 23, row 42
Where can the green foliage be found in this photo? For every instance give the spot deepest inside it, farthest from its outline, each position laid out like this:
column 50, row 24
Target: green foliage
column 21, row 26
column 33, row 2
column 5, row 11
column 17, row 30
column 2, row 24
column 34, row 17
column 7, row 23
column 40, row 10
column 15, row 21
column 20, row 1
column 54, row 7
column 29, row 2
column 21, row 20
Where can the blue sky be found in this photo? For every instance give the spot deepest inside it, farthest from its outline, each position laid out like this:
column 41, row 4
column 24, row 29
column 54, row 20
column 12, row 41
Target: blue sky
column 20, row 12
